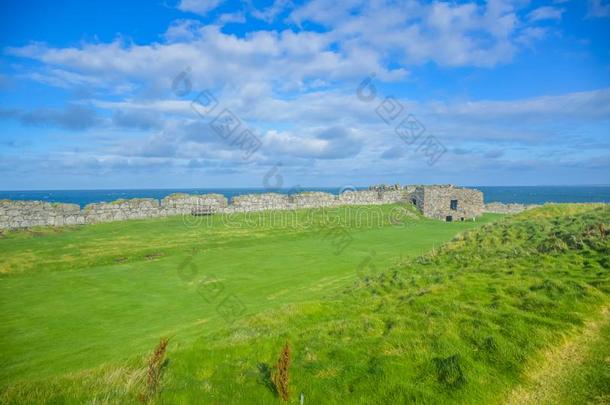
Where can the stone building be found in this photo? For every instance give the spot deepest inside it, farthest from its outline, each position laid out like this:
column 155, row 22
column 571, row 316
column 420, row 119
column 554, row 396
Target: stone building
column 447, row 202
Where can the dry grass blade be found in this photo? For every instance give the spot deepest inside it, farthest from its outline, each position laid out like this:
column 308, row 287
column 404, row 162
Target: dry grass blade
column 155, row 369
column 281, row 376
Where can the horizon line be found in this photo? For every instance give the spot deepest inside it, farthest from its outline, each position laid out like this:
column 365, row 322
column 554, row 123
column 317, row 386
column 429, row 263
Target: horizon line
column 276, row 189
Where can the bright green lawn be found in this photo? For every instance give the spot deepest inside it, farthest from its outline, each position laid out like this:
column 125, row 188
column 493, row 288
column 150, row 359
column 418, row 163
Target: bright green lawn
column 461, row 324
column 465, row 323
column 74, row 298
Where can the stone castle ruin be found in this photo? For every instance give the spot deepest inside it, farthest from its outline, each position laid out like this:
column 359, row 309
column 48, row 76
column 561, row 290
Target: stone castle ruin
column 448, row 203
column 444, row 202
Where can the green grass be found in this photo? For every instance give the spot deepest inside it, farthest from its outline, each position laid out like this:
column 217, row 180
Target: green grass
column 75, row 298
column 589, row 379
column 456, row 325
column 576, row 371
column 464, row 322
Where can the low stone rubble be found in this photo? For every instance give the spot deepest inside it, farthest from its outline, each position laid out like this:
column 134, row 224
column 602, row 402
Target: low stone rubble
column 501, row 208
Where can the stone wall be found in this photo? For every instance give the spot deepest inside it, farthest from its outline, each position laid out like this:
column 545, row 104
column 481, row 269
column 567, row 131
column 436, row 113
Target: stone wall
column 394, row 196
column 22, row 214
column 180, row 203
column 360, row 197
column 120, row 210
column 500, row 208
column 314, row 199
column 432, row 201
column 260, row 202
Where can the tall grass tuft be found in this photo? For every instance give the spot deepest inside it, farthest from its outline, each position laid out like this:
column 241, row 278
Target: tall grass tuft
column 155, row 369
column 281, row 376
column 449, row 371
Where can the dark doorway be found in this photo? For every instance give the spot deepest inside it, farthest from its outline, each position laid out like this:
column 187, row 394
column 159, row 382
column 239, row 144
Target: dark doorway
column 453, row 204
column 414, row 201
column 449, row 218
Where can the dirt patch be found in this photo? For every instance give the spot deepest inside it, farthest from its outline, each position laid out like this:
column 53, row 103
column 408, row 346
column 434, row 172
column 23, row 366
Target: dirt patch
column 154, row 255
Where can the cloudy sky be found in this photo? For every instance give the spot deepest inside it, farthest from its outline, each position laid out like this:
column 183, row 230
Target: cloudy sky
column 212, row 93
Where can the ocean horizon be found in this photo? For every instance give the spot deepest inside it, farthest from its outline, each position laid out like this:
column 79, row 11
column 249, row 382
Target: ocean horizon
column 503, row 194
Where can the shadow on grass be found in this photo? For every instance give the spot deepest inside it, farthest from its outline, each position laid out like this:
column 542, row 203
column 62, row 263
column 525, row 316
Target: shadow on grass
column 449, row 371
column 265, row 377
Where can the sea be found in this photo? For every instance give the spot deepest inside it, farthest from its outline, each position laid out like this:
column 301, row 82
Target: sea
column 513, row 194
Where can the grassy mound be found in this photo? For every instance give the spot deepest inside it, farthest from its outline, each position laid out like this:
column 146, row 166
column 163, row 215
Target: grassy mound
column 463, row 323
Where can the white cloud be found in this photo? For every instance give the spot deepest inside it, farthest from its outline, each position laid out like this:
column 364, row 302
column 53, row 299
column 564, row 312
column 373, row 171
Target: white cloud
column 545, row 13
column 530, row 35
column 270, row 13
column 72, row 117
column 199, row 6
column 296, row 88
column 237, row 18
column 448, row 34
column 288, row 60
column 583, row 106
column 361, row 37
column 182, row 30
column 327, row 143
column 297, row 130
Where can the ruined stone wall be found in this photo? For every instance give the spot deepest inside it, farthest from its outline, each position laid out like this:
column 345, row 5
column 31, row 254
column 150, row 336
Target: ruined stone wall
column 259, row 202
column 433, row 201
column 120, row 210
column 360, row 197
column 138, row 208
column 394, row 196
column 23, row 214
column 437, row 202
column 180, row 203
column 314, row 199
column 500, row 208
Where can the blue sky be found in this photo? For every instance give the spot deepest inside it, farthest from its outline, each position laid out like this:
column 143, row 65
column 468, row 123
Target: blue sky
column 100, row 94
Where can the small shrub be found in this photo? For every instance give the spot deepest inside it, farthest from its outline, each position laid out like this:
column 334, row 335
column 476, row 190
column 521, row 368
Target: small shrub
column 281, row 376
column 155, row 369
column 553, row 244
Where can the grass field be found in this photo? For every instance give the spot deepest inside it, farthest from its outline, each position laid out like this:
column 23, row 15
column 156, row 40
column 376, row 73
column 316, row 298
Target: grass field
column 75, row 298
column 493, row 316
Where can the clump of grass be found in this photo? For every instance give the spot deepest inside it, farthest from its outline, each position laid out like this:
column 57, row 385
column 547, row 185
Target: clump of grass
column 449, row 371
column 281, row 374
column 155, row 371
